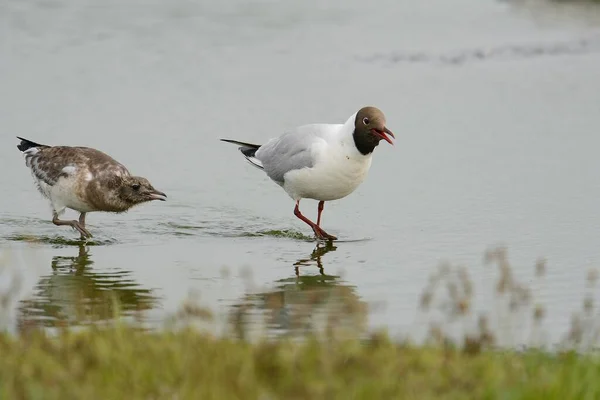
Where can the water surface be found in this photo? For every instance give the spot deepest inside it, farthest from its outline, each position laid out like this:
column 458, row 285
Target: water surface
column 495, row 106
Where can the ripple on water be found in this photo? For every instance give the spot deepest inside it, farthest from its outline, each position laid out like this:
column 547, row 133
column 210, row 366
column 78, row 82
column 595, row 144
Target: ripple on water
column 460, row 57
column 11, row 230
column 219, row 228
column 284, row 233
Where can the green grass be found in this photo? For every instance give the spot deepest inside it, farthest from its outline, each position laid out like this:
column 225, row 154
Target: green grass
column 120, row 362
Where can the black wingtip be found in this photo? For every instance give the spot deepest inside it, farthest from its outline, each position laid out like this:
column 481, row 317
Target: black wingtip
column 243, row 144
column 248, row 152
column 27, row 144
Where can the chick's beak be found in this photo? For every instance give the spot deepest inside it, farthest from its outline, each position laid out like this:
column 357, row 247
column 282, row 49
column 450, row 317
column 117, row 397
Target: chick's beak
column 156, row 195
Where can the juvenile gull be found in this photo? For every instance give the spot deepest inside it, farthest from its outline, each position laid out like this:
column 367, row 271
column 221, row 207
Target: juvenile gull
column 85, row 180
column 321, row 161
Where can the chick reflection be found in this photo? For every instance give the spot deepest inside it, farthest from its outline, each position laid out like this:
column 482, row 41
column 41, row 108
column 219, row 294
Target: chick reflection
column 302, row 304
column 74, row 294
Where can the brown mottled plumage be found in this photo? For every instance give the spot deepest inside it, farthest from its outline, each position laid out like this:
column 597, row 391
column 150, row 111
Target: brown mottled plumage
column 84, row 180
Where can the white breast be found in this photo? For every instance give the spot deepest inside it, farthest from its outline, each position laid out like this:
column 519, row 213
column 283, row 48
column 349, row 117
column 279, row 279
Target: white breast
column 339, row 169
column 66, row 192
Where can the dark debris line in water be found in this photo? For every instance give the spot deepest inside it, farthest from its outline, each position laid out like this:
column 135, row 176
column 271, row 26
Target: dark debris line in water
column 210, row 229
column 507, row 52
column 290, row 234
column 59, row 240
column 285, row 233
column 178, row 230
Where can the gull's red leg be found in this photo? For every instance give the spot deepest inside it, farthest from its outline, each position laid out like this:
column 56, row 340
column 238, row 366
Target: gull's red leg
column 319, row 233
column 298, row 214
column 320, row 209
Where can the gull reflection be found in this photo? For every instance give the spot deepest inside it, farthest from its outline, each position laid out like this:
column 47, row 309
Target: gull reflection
column 302, row 304
column 315, row 257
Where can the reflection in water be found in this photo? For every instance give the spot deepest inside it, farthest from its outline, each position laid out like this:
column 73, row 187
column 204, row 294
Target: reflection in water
column 302, row 304
column 74, row 294
column 316, row 255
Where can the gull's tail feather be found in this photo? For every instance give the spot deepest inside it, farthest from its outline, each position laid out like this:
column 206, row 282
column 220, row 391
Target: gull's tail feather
column 248, row 150
column 28, row 144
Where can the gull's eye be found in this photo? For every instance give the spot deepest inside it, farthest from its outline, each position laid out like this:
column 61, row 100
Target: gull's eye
column 366, row 121
column 135, row 186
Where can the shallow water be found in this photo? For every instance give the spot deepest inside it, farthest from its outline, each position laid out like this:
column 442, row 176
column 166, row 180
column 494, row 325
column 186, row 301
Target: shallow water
column 495, row 106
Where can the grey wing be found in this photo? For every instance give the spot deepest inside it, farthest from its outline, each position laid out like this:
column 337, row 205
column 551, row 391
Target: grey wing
column 291, row 151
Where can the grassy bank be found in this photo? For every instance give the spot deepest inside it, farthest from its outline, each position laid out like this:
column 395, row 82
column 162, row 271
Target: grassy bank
column 120, row 362
column 313, row 351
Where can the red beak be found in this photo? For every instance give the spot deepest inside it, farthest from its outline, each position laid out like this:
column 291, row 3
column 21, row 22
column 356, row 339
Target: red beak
column 384, row 135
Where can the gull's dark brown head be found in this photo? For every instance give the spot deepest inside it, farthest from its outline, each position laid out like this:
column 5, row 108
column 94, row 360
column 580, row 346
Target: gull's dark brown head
column 370, row 129
column 135, row 190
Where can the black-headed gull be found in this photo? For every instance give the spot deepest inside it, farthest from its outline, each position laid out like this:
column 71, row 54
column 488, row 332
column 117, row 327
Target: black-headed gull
column 323, row 162
column 84, row 180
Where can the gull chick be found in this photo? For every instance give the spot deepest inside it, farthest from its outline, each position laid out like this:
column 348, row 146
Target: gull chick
column 85, row 180
column 323, row 162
